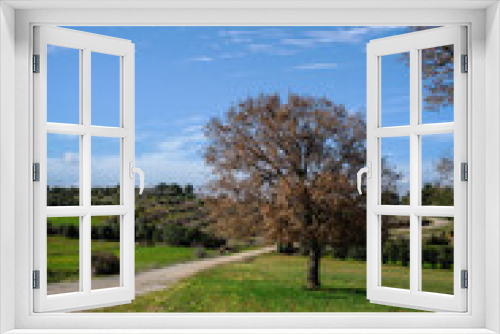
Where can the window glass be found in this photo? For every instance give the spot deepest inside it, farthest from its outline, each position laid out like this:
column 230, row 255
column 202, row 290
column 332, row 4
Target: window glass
column 437, row 84
column 395, row 252
column 395, row 90
column 63, row 255
column 105, row 252
column 63, row 85
column 106, row 171
column 395, row 170
column 63, row 170
column 437, row 254
column 105, row 90
column 437, row 169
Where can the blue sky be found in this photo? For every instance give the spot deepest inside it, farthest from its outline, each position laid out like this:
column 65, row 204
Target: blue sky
column 185, row 75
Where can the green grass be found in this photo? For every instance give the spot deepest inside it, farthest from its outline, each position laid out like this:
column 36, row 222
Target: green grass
column 63, row 256
column 433, row 280
column 437, row 280
column 62, row 259
column 160, row 255
column 75, row 221
column 270, row 283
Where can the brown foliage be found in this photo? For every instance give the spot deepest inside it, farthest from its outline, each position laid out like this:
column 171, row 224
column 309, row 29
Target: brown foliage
column 437, row 74
column 285, row 171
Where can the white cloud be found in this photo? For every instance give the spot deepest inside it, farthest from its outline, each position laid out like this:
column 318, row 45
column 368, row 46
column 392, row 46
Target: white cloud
column 316, row 66
column 62, row 173
column 190, row 120
column 237, row 33
column 280, row 42
column 201, row 59
column 269, row 49
column 186, row 143
column 105, row 170
column 261, row 33
column 303, row 42
column 193, row 128
column 237, row 36
column 170, row 167
column 71, row 157
column 264, row 40
column 232, row 55
column 175, row 159
column 259, row 47
column 178, row 159
column 346, row 35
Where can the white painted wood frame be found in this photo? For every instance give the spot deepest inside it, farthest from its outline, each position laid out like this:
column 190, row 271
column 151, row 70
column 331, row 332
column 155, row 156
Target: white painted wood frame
column 483, row 20
column 414, row 43
column 85, row 43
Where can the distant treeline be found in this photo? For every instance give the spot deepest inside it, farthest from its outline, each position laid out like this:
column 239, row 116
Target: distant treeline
column 69, row 196
column 176, row 215
column 167, row 213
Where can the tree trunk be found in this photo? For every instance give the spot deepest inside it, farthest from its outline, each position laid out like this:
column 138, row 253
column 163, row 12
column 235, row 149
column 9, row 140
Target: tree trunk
column 313, row 281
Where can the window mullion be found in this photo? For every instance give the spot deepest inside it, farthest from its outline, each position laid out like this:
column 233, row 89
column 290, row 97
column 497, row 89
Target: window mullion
column 414, row 171
column 86, row 186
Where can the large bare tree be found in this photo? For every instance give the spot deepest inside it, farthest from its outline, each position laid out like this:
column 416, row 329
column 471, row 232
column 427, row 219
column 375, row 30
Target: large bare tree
column 284, row 169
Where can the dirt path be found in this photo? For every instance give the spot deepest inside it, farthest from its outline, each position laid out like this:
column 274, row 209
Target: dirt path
column 160, row 279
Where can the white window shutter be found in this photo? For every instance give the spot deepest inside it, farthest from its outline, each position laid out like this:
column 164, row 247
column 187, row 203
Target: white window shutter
column 414, row 297
column 84, row 297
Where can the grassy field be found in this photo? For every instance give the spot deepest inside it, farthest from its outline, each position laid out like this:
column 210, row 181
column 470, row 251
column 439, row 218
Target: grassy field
column 75, row 221
column 63, row 256
column 273, row 283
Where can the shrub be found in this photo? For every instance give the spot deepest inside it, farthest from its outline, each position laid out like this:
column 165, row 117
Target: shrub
column 339, row 253
column 105, row 263
column 357, row 253
column 200, row 253
column 181, row 235
column 285, row 248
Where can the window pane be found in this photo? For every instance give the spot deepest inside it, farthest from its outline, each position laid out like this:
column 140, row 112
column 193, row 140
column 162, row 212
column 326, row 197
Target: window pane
column 395, row 89
column 105, row 252
column 437, row 169
column 437, row 84
column 63, row 255
column 105, row 171
column 395, row 170
column 437, row 254
column 63, row 85
column 105, row 90
column 395, row 252
column 63, row 170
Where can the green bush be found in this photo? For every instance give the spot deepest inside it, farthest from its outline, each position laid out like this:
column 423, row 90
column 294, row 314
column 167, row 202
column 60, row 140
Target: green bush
column 437, row 252
column 357, row 253
column 286, row 248
column 105, row 263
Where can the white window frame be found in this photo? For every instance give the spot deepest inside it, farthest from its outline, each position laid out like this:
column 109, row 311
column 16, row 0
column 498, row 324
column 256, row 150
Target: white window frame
column 85, row 44
column 483, row 21
column 413, row 44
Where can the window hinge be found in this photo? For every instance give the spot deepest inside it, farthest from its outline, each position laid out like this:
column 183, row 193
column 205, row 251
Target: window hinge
column 464, row 172
column 36, row 172
column 465, row 64
column 465, row 279
column 36, row 279
column 36, row 63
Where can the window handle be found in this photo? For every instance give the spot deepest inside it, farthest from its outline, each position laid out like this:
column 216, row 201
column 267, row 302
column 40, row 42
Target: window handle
column 139, row 171
column 368, row 171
